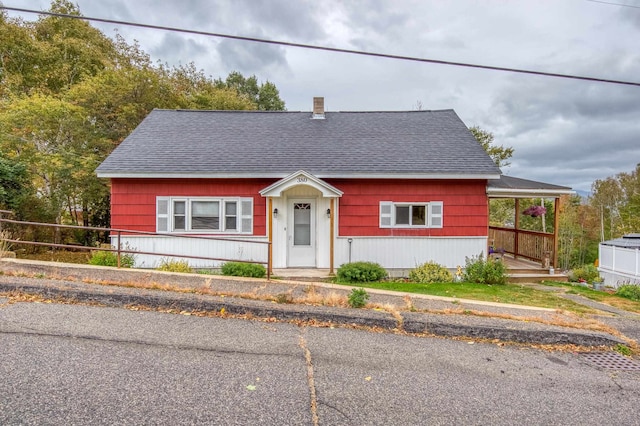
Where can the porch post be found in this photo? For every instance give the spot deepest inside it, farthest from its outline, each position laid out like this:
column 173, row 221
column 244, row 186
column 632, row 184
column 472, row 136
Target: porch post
column 556, row 222
column 331, row 234
column 517, row 225
column 270, row 221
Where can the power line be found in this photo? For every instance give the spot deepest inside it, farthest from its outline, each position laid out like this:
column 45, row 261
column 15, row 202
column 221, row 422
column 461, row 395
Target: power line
column 325, row 48
column 614, row 4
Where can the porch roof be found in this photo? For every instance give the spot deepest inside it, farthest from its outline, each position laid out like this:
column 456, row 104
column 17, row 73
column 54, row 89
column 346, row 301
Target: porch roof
column 631, row 241
column 513, row 187
column 301, row 177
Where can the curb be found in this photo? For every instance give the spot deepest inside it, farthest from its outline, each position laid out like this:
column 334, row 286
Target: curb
column 438, row 325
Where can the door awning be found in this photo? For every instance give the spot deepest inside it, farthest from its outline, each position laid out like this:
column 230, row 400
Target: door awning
column 301, row 178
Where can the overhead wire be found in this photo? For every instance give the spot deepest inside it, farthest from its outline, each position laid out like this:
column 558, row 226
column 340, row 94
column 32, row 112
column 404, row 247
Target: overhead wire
column 324, row 48
column 614, row 4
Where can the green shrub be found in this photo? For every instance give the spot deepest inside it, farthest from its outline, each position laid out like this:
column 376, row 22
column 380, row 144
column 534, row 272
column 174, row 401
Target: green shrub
column 630, row 291
column 479, row 270
column 110, row 258
column 173, row 265
column 430, row 272
column 240, row 269
column 358, row 298
column 588, row 273
column 361, row 272
column 623, row 349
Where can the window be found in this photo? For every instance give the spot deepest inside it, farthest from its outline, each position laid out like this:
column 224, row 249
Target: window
column 204, row 215
column 410, row 215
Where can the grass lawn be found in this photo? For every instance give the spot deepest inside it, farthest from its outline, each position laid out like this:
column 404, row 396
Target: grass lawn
column 508, row 293
column 599, row 296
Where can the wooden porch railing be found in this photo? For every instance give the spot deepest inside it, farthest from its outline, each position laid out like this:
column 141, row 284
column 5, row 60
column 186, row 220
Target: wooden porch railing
column 536, row 246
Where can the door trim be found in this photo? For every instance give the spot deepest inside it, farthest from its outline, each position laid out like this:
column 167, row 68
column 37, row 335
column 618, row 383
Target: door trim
column 302, row 257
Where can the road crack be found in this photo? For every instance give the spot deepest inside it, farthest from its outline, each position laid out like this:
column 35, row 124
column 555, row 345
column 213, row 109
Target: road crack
column 310, row 378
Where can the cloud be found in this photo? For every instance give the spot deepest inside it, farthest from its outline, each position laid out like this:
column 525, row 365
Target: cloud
column 565, row 132
column 250, row 58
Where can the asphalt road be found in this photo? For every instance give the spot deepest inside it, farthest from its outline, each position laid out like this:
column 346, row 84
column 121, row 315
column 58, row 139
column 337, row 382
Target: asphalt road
column 70, row 364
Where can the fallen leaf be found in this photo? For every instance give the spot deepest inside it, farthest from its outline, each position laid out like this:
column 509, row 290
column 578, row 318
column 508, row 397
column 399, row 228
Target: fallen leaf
column 251, row 387
column 368, row 378
column 222, row 311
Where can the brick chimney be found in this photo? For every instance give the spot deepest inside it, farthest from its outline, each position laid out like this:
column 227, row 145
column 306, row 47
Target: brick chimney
column 318, row 108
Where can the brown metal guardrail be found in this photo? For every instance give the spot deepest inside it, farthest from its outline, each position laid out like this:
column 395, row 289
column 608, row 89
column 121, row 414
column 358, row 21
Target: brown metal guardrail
column 119, row 250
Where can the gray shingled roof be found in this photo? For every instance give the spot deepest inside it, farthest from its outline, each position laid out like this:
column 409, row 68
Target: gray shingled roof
column 510, row 182
column 270, row 144
column 631, row 241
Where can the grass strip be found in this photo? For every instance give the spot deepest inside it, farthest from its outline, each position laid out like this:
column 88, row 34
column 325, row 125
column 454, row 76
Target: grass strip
column 508, row 293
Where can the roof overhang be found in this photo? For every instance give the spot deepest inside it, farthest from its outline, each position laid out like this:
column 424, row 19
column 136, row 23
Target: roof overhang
column 512, row 187
column 526, row 193
column 301, row 178
column 356, row 175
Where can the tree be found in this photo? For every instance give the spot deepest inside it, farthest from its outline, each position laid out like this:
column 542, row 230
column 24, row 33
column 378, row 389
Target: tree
column 265, row 97
column 69, row 95
column 499, row 154
column 617, row 199
column 49, row 135
column 14, row 184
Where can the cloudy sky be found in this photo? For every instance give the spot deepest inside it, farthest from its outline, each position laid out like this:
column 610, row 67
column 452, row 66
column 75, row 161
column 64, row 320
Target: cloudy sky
column 565, row 132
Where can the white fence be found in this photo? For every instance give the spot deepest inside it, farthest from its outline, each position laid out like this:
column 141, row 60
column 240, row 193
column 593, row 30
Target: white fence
column 618, row 265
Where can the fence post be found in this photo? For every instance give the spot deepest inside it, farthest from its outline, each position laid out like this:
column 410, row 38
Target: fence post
column 118, row 249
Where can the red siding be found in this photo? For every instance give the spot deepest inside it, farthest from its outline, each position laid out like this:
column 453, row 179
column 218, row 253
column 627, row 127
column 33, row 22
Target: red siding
column 465, row 206
column 465, row 203
column 133, row 201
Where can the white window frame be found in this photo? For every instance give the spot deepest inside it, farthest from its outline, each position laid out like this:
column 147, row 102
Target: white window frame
column 165, row 215
column 434, row 214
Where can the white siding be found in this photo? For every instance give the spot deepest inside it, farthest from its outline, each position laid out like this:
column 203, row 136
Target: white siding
column 618, row 265
column 192, row 247
column 393, row 253
column 407, row 252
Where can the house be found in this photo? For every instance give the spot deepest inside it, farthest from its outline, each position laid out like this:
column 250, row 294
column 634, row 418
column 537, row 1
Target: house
column 325, row 188
column 619, row 260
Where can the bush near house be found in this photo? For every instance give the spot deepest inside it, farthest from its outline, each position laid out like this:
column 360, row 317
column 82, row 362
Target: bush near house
column 586, row 273
column 172, row 265
column 629, row 291
column 109, row 258
column 361, row 272
column 240, row 269
column 481, row 271
column 430, row 272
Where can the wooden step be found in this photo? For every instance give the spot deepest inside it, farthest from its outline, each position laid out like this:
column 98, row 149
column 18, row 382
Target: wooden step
column 536, row 278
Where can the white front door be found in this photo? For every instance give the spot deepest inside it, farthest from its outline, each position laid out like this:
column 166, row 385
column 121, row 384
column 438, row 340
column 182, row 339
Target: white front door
column 302, row 233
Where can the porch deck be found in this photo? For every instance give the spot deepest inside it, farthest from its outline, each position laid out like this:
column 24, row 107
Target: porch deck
column 527, row 271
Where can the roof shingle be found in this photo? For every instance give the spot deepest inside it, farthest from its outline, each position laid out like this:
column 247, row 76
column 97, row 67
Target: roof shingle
column 270, row 144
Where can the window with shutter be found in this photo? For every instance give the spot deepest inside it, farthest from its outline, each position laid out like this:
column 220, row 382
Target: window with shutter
column 204, row 215
column 246, row 211
column 410, row 215
column 162, row 214
column 435, row 214
column 385, row 214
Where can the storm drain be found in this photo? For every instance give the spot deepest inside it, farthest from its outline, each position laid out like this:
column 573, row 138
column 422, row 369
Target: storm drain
column 611, row 361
